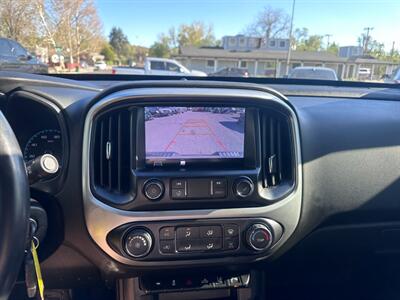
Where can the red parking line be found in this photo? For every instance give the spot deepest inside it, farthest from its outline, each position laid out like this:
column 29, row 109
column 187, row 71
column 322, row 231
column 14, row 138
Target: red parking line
column 217, row 140
column 189, row 124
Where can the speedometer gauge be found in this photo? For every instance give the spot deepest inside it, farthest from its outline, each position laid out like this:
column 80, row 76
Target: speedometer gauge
column 46, row 141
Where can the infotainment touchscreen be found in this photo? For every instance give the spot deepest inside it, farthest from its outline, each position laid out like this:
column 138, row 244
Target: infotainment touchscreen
column 192, row 133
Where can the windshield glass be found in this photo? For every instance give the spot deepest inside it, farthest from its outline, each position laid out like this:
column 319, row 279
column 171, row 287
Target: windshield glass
column 352, row 40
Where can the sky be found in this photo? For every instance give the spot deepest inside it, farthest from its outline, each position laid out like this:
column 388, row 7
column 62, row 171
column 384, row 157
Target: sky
column 143, row 20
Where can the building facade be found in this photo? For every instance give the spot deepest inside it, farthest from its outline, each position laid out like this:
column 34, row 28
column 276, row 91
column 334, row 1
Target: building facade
column 268, row 59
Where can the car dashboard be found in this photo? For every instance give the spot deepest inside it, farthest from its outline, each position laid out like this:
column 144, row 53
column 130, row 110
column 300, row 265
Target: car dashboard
column 316, row 174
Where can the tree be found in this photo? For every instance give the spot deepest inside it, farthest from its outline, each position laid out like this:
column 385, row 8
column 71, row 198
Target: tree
column 19, row 21
column 371, row 46
column 119, row 41
column 196, row 34
column 333, row 48
column 71, row 25
column 311, row 43
column 159, row 49
column 108, row 52
column 270, row 23
column 80, row 27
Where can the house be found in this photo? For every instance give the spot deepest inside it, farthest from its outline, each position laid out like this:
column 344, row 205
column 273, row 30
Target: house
column 268, row 58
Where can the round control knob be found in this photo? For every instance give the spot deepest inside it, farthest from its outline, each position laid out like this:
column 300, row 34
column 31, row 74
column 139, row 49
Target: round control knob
column 259, row 237
column 153, row 189
column 243, row 187
column 138, row 243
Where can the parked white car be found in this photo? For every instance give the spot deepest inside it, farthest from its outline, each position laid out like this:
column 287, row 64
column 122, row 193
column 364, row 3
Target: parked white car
column 158, row 66
column 100, row 65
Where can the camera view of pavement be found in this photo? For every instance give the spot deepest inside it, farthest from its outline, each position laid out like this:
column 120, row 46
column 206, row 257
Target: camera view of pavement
column 195, row 133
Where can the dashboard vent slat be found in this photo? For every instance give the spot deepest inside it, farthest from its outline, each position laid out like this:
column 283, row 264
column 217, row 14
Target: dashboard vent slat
column 111, row 152
column 276, row 149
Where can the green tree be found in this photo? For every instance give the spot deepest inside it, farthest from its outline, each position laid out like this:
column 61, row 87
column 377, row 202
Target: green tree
column 108, row 52
column 311, row 43
column 196, row 34
column 333, row 48
column 119, row 41
column 159, row 49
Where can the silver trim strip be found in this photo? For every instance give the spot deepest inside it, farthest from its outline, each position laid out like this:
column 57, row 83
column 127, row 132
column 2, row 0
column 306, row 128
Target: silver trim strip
column 101, row 218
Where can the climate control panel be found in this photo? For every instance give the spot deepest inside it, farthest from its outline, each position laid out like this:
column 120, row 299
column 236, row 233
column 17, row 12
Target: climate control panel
column 195, row 239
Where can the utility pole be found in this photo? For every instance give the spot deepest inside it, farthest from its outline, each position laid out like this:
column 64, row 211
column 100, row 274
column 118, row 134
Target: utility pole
column 367, row 37
column 290, row 40
column 328, row 36
column 392, row 51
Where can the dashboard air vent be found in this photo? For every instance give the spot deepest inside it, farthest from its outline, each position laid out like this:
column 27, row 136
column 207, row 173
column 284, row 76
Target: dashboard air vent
column 111, row 153
column 277, row 153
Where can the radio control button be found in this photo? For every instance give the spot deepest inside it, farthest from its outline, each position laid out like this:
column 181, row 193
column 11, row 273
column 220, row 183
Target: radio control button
column 178, row 194
column 178, row 184
column 243, row 187
column 231, row 230
column 219, row 183
column 210, row 232
column 187, row 233
column 219, row 193
column 153, row 189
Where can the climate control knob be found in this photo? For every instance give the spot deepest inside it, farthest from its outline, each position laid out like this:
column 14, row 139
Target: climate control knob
column 138, row 243
column 259, row 237
column 243, row 187
column 153, row 189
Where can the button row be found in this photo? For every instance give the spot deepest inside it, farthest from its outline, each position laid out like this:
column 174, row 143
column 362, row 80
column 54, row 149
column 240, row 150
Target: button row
column 199, row 238
column 230, row 243
column 187, row 233
column 198, row 188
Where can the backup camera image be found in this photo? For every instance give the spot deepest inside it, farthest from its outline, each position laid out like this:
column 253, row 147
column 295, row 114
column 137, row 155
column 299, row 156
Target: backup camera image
column 194, row 132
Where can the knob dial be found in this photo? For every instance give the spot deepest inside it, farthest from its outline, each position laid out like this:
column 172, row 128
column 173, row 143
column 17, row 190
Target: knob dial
column 138, row 243
column 259, row 237
column 153, row 189
column 243, row 187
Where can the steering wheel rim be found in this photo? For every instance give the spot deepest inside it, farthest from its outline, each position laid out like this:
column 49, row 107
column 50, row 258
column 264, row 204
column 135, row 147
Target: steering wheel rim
column 14, row 208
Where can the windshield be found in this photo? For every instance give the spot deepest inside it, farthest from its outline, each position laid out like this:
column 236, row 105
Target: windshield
column 351, row 40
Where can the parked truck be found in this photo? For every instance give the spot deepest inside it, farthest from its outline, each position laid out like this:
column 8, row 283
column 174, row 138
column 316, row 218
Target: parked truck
column 158, row 66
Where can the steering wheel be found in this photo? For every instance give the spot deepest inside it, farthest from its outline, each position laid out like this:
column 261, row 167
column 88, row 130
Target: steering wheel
column 14, row 208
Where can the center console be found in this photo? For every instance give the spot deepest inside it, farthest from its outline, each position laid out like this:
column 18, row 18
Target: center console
column 191, row 175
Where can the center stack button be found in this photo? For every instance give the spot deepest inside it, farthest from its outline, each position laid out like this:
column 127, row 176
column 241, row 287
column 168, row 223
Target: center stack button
column 187, row 239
